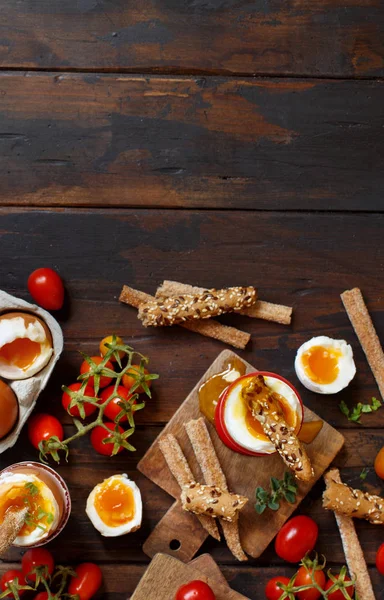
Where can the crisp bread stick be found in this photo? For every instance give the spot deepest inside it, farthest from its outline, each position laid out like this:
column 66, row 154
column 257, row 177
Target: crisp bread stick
column 195, row 307
column 349, row 502
column 10, row 527
column 362, row 324
column 352, row 549
column 213, row 475
column 212, row 501
column 268, row 311
column 209, row 328
column 265, row 409
column 181, row 471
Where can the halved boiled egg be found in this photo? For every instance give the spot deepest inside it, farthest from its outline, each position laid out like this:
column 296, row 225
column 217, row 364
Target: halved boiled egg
column 25, row 345
column 325, row 365
column 114, row 506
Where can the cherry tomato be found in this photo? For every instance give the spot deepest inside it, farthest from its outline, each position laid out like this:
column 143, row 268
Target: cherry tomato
column 10, row 576
column 380, row 559
column 42, row 427
column 379, row 463
column 87, row 581
column 304, row 577
column 66, row 400
column 108, row 340
column 195, row 590
column 112, row 409
column 41, row 596
column 36, row 557
column 128, row 380
column 272, row 590
column 338, row 594
column 99, row 434
column 46, row 288
column 85, row 368
column 297, row 537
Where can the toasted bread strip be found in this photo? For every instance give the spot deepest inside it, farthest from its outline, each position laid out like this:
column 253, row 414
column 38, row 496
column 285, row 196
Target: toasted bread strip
column 212, row 501
column 213, row 475
column 362, row 324
column 347, row 501
column 181, row 471
column 10, row 527
column 268, row 311
column 265, row 409
column 209, row 328
column 352, row 549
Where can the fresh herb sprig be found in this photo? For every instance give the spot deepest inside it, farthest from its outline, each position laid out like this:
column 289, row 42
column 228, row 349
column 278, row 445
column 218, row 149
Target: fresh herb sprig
column 42, row 578
column 364, row 473
column 357, row 411
column 53, row 446
column 281, row 489
column 29, row 519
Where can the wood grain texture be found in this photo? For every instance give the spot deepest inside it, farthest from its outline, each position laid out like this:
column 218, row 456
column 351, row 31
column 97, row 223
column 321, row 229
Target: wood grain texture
column 107, row 140
column 215, row 36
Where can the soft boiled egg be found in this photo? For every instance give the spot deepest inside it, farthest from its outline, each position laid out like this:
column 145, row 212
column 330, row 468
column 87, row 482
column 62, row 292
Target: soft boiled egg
column 114, row 506
column 19, row 490
column 325, row 365
column 25, row 345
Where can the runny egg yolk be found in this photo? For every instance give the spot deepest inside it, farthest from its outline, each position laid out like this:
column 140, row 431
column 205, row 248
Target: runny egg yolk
column 115, row 503
column 21, row 495
column 21, row 353
column 254, row 426
column 321, row 364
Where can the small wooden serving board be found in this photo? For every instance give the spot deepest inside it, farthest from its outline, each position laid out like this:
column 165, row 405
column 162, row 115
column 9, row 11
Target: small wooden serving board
column 166, row 574
column 179, row 533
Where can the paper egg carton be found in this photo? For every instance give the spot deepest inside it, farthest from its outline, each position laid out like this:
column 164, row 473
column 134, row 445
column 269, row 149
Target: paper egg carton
column 28, row 390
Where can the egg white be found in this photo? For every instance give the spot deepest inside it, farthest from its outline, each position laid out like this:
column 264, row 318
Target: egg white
column 8, row 481
column 98, row 523
column 346, row 364
column 15, row 328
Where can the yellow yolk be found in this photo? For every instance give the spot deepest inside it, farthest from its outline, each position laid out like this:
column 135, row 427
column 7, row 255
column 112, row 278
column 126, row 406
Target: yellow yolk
column 321, row 364
column 115, row 504
column 19, row 496
column 21, row 353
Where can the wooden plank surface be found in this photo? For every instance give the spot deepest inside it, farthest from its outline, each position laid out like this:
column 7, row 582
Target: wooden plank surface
column 115, row 140
column 296, row 37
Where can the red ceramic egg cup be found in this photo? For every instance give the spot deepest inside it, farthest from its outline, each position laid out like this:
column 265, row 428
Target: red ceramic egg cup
column 220, row 424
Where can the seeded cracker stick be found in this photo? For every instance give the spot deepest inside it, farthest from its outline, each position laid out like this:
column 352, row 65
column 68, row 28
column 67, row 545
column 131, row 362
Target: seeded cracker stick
column 265, row 409
column 10, row 527
column 344, row 500
column 267, row 311
column 362, row 324
column 212, row 501
column 179, row 468
column 209, row 328
column 352, row 549
column 189, row 307
column 213, row 474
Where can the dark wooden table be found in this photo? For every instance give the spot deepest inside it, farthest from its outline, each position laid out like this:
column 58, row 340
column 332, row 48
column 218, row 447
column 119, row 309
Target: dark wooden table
column 217, row 142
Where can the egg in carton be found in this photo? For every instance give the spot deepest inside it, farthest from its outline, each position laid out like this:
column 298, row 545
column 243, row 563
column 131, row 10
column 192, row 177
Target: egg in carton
column 31, row 342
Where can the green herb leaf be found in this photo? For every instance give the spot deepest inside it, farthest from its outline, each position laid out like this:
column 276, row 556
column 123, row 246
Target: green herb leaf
column 285, row 489
column 354, row 415
column 364, row 473
column 32, row 488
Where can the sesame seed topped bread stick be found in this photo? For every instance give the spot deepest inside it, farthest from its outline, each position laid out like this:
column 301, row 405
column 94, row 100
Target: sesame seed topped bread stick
column 209, row 327
column 181, row 471
column 267, row 411
column 362, row 324
column 10, row 527
column 213, row 475
column 210, row 303
column 352, row 549
column 212, row 501
column 347, row 501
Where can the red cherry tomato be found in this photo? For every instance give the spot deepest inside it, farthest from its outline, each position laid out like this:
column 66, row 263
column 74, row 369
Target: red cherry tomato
column 86, row 367
column 380, row 559
column 128, row 380
column 338, row 594
column 41, row 596
column 87, row 581
column 42, row 427
column 10, row 576
column 99, row 434
column 195, row 590
column 272, row 590
column 66, row 400
column 112, row 409
column 304, row 577
column 297, row 537
column 46, row 288
column 36, row 557
column 379, row 463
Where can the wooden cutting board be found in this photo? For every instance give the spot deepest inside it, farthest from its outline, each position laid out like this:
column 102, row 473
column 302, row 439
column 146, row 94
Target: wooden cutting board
column 179, row 533
column 166, row 574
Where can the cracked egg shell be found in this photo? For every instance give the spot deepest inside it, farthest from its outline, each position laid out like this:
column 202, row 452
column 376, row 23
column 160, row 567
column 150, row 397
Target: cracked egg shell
column 25, row 345
column 9, row 409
